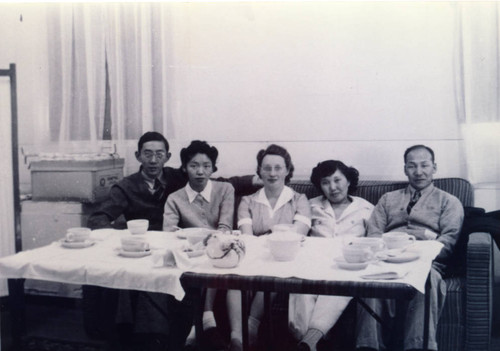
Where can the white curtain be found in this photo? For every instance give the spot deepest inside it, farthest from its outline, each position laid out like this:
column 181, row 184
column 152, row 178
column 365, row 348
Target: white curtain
column 6, row 177
column 132, row 39
column 478, row 88
column 77, row 75
column 136, row 47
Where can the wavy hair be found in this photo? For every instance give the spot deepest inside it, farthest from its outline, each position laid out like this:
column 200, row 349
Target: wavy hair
column 327, row 168
column 199, row 147
column 274, row 149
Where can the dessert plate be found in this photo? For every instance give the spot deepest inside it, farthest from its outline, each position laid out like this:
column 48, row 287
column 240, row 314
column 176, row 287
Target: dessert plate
column 134, row 254
column 76, row 244
column 343, row 264
column 406, row 256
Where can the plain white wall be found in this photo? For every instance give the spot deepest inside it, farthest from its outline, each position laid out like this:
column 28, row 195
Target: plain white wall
column 355, row 81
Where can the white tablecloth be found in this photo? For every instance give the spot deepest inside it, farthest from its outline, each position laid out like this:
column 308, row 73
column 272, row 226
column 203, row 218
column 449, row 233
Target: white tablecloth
column 98, row 265
column 101, row 265
column 316, row 261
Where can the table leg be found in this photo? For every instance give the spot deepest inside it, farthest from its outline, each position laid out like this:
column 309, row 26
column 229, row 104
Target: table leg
column 244, row 319
column 17, row 311
column 396, row 342
column 399, row 324
column 369, row 310
column 427, row 307
column 197, row 298
column 267, row 315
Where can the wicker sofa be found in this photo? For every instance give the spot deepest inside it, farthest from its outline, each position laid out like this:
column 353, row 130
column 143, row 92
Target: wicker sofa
column 466, row 321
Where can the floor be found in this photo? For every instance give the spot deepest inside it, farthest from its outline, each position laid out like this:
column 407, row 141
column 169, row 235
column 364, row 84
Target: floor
column 62, row 319
column 49, row 318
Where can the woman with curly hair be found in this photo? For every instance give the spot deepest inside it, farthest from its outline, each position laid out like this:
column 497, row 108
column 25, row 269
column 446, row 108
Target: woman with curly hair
column 335, row 213
column 274, row 204
column 202, row 203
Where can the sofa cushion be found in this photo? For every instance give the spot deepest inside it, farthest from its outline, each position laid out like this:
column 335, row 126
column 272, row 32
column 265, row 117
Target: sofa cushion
column 372, row 190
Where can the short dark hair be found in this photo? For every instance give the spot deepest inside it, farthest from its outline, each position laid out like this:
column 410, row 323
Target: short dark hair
column 274, row 149
column 419, row 146
column 199, row 147
column 151, row 136
column 327, row 168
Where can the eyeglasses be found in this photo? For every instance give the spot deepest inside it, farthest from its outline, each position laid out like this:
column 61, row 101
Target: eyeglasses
column 159, row 154
column 269, row 169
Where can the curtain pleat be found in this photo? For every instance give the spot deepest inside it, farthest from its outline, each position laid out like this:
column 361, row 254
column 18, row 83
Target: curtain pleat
column 478, row 77
column 77, row 74
column 136, row 52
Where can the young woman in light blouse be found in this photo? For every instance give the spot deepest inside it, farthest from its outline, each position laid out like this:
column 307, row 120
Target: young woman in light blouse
column 202, row 203
column 274, row 204
column 335, row 213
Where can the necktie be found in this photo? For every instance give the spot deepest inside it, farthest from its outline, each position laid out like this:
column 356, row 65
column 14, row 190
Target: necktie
column 158, row 189
column 413, row 201
column 199, row 199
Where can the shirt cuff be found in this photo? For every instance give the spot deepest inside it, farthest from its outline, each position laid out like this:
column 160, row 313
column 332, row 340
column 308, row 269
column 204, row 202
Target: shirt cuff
column 430, row 235
column 244, row 221
column 303, row 219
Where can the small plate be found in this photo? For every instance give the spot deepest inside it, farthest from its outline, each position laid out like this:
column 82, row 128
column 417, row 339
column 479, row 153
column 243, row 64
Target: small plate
column 343, row 264
column 407, row 256
column 76, row 244
column 134, row 254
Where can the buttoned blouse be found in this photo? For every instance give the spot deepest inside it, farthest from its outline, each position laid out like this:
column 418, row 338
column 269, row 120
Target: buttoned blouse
column 351, row 222
column 256, row 210
column 214, row 209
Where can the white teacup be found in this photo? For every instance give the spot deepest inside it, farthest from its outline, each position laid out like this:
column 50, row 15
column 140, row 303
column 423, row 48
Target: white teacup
column 134, row 243
column 375, row 244
column 356, row 253
column 77, row 234
column 397, row 240
column 138, row 226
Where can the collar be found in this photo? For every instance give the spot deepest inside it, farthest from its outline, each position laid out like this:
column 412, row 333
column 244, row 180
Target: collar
column 424, row 191
column 286, row 195
column 327, row 206
column 325, row 203
column 206, row 193
column 151, row 181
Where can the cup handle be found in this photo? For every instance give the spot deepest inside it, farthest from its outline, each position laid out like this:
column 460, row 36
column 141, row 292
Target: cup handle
column 70, row 236
column 411, row 238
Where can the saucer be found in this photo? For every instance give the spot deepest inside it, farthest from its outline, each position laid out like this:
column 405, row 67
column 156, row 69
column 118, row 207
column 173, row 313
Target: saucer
column 343, row 264
column 134, row 254
column 76, row 244
column 406, row 256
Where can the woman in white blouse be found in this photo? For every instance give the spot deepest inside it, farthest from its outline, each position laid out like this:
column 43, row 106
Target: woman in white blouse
column 274, row 204
column 335, row 213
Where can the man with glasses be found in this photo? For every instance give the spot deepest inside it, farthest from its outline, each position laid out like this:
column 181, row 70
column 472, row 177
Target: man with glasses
column 142, row 195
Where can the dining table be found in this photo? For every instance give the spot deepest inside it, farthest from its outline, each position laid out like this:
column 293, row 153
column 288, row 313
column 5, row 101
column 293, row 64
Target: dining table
column 166, row 267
